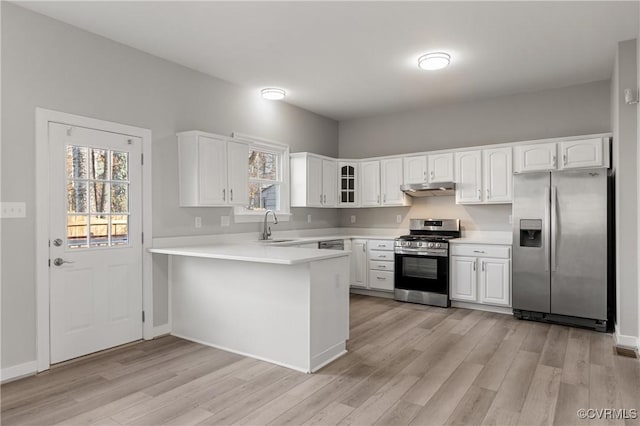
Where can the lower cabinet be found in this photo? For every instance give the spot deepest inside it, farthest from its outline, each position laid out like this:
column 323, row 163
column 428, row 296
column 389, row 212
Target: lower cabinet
column 481, row 274
column 372, row 264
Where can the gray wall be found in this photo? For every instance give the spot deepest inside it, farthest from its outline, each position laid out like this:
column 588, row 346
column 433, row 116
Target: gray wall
column 49, row 64
column 625, row 162
column 567, row 111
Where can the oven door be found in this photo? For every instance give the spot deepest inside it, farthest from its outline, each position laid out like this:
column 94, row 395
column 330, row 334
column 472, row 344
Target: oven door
column 422, row 273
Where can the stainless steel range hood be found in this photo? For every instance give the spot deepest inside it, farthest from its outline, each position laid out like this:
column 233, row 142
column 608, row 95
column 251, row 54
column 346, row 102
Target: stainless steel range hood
column 438, row 189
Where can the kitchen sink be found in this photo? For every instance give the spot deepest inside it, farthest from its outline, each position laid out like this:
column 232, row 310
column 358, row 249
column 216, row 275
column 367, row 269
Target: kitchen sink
column 276, row 241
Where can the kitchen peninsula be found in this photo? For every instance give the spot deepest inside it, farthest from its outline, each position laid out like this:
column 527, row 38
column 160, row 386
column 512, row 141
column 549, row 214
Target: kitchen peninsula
column 285, row 305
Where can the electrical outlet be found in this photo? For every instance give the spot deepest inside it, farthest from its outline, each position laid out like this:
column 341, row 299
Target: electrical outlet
column 14, row 210
column 399, row 218
column 224, row 221
column 198, row 222
column 353, row 218
column 308, row 218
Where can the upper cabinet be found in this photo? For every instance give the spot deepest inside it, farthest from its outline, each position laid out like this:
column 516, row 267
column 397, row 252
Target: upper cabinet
column 213, row 170
column 348, row 180
column 314, row 181
column 390, row 181
column 370, row 183
column 440, row 167
column 535, row 158
column 583, row 153
column 570, row 154
column 415, row 169
column 429, row 168
column 497, row 175
column 468, row 177
column 484, row 176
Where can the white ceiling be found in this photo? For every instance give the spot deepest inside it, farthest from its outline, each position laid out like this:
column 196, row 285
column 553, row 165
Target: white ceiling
column 353, row 59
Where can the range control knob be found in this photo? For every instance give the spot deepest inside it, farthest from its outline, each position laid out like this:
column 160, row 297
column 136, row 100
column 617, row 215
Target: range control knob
column 430, row 245
column 438, row 245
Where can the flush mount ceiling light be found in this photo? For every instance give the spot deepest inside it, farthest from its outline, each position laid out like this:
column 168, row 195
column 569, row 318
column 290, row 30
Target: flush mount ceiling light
column 273, row 93
column 434, row 61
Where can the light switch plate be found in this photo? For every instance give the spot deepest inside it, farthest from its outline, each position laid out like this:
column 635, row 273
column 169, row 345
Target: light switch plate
column 308, row 218
column 197, row 222
column 12, row 210
column 399, row 218
column 353, row 218
column 224, row 221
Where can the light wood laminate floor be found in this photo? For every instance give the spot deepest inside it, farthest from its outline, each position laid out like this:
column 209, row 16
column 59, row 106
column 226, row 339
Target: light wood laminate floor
column 407, row 364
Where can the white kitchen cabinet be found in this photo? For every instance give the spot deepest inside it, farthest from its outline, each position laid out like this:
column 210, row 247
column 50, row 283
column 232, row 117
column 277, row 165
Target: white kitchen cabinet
column 370, row 187
column 381, row 280
column 213, row 171
column 481, row 274
column 535, row 158
column 359, row 263
column 381, row 262
column 463, row 278
column 390, row 180
column 329, row 183
column 314, row 181
column 583, row 153
column 498, row 175
column 440, row 167
column 238, row 172
column 415, row 169
column 348, row 184
column 468, row 177
column 495, row 281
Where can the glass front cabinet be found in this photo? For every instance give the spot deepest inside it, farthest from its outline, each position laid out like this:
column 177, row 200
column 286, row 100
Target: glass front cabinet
column 347, row 189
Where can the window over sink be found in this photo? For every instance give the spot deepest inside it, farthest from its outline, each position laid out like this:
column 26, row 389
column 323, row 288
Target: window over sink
column 268, row 180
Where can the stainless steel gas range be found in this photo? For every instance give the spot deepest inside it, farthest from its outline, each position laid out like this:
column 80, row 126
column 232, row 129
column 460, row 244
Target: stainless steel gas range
column 422, row 261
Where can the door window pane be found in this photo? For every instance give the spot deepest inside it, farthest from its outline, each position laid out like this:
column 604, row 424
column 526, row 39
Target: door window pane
column 119, row 165
column 77, row 231
column 119, row 198
column 99, row 195
column 99, row 164
column 77, row 162
column 119, row 230
column 99, row 231
column 77, row 197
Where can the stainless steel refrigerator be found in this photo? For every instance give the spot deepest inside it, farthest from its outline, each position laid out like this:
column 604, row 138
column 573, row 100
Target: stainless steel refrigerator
column 561, row 248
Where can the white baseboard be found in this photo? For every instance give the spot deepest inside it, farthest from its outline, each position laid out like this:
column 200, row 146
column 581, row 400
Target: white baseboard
column 374, row 293
column 480, row 307
column 19, row 371
column 625, row 341
column 161, row 330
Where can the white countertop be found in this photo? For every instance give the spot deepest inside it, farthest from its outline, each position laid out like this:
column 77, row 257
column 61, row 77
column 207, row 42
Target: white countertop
column 253, row 252
column 480, row 237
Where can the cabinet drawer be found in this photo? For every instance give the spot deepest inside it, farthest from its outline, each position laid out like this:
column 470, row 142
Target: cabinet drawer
column 381, row 266
column 502, row 252
column 381, row 280
column 385, row 256
column 384, row 245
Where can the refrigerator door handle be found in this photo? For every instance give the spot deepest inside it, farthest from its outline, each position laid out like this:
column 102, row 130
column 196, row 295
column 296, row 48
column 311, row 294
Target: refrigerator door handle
column 547, row 217
column 554, row 226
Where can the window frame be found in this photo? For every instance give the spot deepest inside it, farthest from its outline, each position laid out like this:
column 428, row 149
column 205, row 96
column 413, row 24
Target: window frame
column 241, row 213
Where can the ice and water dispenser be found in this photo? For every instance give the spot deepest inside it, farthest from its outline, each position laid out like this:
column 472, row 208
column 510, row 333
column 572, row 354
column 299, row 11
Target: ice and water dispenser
column 530, row 232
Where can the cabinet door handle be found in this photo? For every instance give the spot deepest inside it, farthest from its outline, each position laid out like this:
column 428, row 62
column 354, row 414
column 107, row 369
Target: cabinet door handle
column 474, row 265
column 382, row 256
column 488, row 194
column 564, row 160
column 554, row 161
column 325, row 198
column 382, row 267
column 378, row 199
column 364, row 248
column 231, row 194
column 478, row 251
column 384, row 198
column 482, row 263
column 320, row 198
column 224, row 195
column 381, row 278
column 479, row 194
column 381, row 245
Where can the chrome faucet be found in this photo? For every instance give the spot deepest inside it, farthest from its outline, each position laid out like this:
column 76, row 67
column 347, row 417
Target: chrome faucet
column 266, row 232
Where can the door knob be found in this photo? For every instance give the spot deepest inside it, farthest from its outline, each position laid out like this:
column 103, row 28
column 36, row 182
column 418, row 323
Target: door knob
column 58, row 261
column 57, row 242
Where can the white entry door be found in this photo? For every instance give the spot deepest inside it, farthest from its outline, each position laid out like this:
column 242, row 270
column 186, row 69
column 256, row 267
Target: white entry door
column 96, row 240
